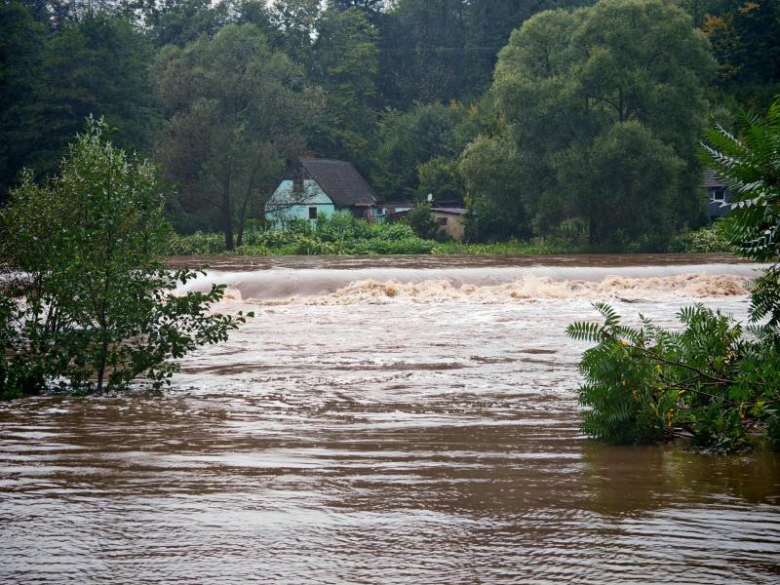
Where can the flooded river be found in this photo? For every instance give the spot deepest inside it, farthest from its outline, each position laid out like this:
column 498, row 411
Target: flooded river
column 387, row 420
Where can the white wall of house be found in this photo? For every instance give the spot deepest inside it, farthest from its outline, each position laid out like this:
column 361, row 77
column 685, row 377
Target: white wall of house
column 286, row 203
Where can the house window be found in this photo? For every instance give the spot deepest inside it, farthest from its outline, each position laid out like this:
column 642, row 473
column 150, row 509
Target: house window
column 718, row 195
column 442, row 221
column 297, row 185
column 312, row 213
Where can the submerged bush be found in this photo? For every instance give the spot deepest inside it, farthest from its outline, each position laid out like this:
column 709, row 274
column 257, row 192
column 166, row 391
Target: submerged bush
column 712, row 381
column 98, row 309
column 708, row 381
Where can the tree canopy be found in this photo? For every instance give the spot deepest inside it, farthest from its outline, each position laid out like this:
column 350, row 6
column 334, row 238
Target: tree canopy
column 604, row 106
column 237, row 110
column 423, row 96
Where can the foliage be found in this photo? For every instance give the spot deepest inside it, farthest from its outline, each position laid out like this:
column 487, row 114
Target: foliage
column 707, row 381
column 603, row 110
column 419, row 218
column 745, row 39
column 750, row 166
column 404, row 93
column 97, row 65
column 99, row 309
column 702, row 241
column 346, row 65
column 711, row 380
column 338, row 234
column 418, row 149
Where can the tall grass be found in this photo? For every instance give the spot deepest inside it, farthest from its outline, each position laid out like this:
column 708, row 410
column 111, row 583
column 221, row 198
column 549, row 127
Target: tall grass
column 339, row 234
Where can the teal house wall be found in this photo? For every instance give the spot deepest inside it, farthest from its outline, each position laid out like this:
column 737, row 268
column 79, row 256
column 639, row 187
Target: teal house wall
column 287, row 204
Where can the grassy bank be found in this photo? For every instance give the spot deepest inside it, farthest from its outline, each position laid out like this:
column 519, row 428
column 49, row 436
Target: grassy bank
column 344, row 235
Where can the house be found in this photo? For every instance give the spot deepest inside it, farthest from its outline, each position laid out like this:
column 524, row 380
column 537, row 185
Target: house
column 450, row 221
column 318, row 186
column 717, row 195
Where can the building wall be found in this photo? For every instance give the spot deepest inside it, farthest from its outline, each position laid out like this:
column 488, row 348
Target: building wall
column 450, row 223
column 285, row 204
column 716, row 196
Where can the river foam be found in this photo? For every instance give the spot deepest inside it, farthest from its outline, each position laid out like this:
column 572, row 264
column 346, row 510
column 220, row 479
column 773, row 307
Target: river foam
column 480, row 285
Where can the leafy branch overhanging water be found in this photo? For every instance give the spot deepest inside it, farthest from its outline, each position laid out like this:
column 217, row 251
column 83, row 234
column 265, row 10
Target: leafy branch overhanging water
column 714, row 381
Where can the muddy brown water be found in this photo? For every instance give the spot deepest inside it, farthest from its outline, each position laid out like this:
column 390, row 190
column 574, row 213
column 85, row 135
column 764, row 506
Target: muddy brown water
column 387, row 421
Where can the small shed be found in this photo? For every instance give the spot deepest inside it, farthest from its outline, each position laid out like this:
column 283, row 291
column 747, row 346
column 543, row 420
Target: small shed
column 717, row 194
column 450, row 221
column 319, row 186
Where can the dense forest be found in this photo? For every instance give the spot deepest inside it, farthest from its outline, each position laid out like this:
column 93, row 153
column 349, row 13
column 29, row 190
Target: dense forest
column 541, row 116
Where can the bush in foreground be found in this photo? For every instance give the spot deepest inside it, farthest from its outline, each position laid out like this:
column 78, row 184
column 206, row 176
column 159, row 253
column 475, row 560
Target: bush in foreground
column 713, row 380
column 97, row 307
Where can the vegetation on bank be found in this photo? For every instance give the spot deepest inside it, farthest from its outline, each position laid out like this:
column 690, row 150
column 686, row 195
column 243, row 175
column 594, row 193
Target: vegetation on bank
column 716, row 380
column 94, row 308
column 344, row 235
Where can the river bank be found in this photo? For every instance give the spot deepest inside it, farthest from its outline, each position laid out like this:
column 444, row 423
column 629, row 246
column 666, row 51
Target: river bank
column 344, row 235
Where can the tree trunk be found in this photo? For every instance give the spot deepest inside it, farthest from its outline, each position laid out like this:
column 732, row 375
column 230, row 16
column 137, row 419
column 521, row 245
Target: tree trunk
column 227, row 216
column 593, row 234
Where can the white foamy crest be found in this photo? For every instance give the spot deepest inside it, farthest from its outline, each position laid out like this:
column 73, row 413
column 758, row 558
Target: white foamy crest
column 529, row 287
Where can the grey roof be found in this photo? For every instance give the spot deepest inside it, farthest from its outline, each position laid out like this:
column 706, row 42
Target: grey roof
column 711, row 179
column 341, row 181
column 451, row 210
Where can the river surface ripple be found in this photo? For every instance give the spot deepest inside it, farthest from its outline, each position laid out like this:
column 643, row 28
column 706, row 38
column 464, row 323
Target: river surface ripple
column 416, row 423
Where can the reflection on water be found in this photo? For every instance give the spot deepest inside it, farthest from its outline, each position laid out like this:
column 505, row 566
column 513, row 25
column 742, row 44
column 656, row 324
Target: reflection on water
column 365, row 442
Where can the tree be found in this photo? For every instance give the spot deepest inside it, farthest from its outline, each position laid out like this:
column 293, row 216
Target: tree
column 422, row 52
column 414, row 142
column 489, row 168
column 179, row 22
column 236, row 112
column 564, row 85
column 96, row 66
column 345, row 62
column 98, row 306
column 744, row 36
column 422, row 222
column 709, row 381
column 297, row 20
column 21, row 54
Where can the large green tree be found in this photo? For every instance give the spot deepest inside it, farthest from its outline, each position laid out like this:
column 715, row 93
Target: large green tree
column 98, row 66
column 345, row 63
column 417, row 149
column 53, row 79
column 21, row 54
column 236, row 112
column 575, row 89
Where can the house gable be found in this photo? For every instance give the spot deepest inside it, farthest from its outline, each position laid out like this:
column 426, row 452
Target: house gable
column 298, row 199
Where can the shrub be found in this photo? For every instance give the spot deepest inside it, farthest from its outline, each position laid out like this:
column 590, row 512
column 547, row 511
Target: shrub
column 710, row 381
column 99, row 309
column 422, row 222
column 704, row 240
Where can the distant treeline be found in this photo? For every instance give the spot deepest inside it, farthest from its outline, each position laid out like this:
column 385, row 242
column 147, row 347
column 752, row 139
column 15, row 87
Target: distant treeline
column 587, row 117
